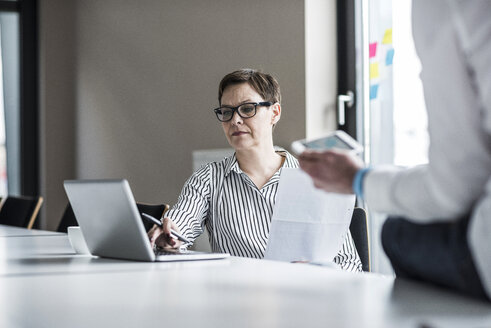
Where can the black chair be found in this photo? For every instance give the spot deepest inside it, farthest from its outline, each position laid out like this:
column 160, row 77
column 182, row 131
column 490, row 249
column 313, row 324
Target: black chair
column 20, row 211
column 67, row 220
column 359, row 232
column 157, row 211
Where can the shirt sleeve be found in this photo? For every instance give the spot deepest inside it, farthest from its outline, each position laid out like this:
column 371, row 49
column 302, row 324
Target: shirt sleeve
column 456, row 79
column 474, row 26
column 347, row 257
column 191, row 209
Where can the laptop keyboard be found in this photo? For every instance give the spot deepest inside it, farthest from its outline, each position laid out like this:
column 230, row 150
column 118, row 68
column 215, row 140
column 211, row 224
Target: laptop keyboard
column 171, row 251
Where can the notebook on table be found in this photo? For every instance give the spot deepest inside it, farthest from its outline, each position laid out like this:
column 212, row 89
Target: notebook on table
column 112, row 227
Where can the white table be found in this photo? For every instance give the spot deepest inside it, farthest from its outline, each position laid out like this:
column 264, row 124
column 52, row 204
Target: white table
column 44, row 284
column 8, row 231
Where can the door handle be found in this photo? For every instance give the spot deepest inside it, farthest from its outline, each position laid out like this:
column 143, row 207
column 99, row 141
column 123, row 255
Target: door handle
column 349, row 100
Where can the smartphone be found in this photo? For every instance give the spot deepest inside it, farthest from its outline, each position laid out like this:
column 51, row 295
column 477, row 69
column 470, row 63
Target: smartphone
column 338, row 139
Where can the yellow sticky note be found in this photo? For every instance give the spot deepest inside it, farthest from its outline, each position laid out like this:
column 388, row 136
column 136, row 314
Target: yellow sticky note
column 387, row 36
column 374, row 71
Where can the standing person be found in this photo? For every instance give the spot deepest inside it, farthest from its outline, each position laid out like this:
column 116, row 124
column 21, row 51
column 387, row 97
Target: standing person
column 234, row 198
column 444, row 236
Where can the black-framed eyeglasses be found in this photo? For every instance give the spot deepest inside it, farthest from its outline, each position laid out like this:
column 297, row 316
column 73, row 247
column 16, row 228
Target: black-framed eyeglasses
column 246, row 110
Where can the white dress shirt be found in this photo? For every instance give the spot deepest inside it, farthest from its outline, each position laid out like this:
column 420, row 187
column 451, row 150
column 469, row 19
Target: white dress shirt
column 453, row 41
column 237, row 213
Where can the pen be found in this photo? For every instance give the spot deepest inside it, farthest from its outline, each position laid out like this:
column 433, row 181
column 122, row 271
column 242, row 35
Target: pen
column 174, row 233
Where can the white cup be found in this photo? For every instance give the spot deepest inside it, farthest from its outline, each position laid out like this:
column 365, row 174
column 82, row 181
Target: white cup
column 77, row 240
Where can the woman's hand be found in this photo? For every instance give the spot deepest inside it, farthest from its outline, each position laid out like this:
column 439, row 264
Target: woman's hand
column 331, row 170
column 161, row 236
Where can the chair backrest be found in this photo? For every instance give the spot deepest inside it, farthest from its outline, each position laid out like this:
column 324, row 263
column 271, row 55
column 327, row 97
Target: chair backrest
column 156, row 210
column 20, row 211
column 67, row 220
column 359, row 232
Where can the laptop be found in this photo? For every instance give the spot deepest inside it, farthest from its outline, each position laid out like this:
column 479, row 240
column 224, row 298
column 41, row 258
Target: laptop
column 112, row 227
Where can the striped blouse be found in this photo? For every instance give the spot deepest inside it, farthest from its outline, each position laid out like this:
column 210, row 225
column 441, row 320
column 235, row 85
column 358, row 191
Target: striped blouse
column 235, row 212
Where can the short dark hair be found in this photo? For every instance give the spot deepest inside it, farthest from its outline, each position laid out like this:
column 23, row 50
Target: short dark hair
column 264, row 84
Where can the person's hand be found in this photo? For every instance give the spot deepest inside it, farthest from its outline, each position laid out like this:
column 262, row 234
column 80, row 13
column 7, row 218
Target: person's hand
column 162, row 237
column 331, row 170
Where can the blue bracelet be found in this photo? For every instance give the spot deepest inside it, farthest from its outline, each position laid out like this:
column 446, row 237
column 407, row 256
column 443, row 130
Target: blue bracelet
column 358, row 182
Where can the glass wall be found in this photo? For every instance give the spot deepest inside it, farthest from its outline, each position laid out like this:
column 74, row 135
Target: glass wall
column 391, row 116
column 410, row 119
column 9, row 103
column 3, row 147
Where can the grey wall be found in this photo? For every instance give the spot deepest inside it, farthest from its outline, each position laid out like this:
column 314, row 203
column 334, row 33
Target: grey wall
column 128, row 87
column 57, row 105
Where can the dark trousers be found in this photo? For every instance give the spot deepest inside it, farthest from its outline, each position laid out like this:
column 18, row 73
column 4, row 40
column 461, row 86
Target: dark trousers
column 437, row 253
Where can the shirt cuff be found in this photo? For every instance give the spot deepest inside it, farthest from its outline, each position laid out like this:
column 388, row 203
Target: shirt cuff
column 358, row 182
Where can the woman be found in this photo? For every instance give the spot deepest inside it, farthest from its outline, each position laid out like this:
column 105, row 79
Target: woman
column 234, row 198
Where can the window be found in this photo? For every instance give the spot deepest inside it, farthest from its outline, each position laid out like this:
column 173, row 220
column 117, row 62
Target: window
column 410, row 120
column 377, row 61
column 18, row 98
column 9, row 103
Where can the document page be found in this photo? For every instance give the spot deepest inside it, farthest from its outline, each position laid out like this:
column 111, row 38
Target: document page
column 308, row 224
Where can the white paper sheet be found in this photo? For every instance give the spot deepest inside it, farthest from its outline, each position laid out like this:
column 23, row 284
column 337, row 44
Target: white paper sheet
column 308, row 224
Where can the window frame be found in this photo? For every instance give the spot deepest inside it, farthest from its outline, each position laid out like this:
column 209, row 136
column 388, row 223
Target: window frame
column 29, row 93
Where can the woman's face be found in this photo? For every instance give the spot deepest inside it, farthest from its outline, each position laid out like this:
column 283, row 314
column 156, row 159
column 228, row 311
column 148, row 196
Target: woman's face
column 249, row 133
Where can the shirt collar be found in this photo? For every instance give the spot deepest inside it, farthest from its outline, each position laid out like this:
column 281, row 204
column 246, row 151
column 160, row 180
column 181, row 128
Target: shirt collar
column 290, row 161
column 231, row 163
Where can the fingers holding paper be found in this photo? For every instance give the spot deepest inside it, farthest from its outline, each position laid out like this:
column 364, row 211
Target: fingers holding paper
column 331, row 170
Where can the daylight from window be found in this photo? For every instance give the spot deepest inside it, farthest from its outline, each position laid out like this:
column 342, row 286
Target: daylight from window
column 410, row 119
column 3, row 153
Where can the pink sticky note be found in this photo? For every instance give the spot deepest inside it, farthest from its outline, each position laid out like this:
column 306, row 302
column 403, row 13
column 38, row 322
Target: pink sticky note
column 373, row 49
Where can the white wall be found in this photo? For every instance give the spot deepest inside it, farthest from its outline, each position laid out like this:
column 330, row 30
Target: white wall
column 320, row 67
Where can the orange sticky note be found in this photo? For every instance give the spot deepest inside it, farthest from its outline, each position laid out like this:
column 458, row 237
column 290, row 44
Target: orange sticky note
column 374, row 71
column 387, row 36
